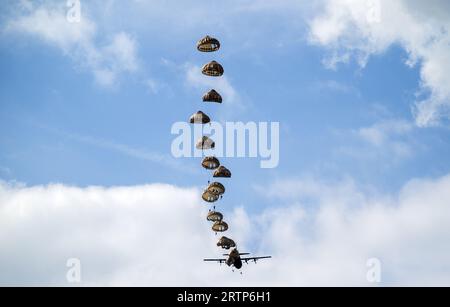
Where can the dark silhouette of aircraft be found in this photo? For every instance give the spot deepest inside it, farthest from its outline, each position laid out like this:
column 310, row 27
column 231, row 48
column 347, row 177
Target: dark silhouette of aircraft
column 234, row 259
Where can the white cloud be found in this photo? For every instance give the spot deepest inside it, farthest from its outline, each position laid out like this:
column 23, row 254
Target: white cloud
column 321, row 233
column 123, row 48
column 79, row 40
column 382, row 132
column 387, row 141
column 122, row 235
column 327, row 231
column 354, row 28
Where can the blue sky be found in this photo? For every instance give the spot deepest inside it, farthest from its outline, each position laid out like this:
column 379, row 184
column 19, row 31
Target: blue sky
column 45, row 99
column 60, row 123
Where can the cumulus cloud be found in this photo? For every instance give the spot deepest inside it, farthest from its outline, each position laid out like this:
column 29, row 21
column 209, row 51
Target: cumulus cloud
column 321, row 233
column 359, row 29
column 78, row 40
column 125, row 235
column 325, row 232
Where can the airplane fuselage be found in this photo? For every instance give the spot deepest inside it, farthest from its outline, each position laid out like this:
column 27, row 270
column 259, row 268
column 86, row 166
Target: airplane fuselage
column 234, row 259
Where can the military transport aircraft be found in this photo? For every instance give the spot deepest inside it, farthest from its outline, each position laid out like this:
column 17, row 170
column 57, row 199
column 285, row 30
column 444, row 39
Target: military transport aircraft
column 234, row 259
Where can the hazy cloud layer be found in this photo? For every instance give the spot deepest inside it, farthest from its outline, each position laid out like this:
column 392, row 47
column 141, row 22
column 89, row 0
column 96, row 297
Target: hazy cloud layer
column 320, row 234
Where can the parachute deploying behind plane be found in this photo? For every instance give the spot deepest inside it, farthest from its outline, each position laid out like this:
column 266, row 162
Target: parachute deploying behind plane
column 226, row 243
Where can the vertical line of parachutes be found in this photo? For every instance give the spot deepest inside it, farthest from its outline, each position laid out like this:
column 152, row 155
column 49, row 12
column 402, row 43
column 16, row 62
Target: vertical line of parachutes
column 214, row 190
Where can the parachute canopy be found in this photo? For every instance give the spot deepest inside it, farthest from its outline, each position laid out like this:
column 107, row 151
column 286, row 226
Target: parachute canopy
column 210, row 163
column 220, row 226
column 216, row 188
column 214, row 216
column 212, row 96
column 199, row 118
column 210, row 197
column 226, row 243
column 222, row 172
column 205, row 143
column 208, row 44
column 212, row 69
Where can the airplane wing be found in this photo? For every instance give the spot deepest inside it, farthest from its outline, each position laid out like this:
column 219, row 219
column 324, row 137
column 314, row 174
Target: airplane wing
column 240, row 254
column 254, row 259
column 215, row 260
